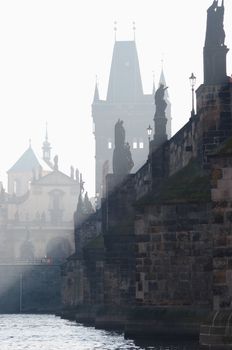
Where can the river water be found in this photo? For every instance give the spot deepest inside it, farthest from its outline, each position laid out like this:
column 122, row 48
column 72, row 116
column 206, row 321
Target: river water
column 47, row 332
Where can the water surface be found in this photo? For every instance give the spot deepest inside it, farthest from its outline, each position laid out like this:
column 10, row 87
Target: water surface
column 47, row 332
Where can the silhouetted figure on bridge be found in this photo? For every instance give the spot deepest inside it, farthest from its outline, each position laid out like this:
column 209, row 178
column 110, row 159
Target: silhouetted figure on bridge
column 160, row 101
column 215, row 34
column 122, row 159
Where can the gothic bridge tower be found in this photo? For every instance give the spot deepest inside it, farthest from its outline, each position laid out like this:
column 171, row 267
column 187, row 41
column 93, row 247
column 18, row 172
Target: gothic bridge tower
column 125, row 101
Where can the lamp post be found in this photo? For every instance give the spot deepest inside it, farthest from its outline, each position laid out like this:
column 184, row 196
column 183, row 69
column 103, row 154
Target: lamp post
column 149, row 132
column 192, row 80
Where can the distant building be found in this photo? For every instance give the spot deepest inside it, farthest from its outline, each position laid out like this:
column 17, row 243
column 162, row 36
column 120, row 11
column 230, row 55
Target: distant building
column 126, row 101
column 36, row 215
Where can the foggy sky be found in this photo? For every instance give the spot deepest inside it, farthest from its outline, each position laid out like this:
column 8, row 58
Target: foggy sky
column 51, row 51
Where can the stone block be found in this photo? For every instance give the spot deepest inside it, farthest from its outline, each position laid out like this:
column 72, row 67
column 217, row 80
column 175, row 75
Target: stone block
column 219, row 277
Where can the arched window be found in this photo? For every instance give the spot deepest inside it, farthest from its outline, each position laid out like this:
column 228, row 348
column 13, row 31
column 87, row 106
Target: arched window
column 110, row 145
column 135, row 144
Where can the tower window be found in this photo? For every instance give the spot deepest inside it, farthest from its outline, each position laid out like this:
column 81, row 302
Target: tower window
column 141, row 144
column 135, row 145
column 109, row 145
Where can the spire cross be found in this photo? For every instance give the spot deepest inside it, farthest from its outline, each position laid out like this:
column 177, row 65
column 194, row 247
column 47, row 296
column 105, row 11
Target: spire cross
column 115, row 30
column 134, row 29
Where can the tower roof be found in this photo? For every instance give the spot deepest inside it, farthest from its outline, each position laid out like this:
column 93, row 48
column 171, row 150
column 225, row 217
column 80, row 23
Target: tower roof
column 27, row 162
column 96, row 93
column 46, row 143
column 163, row 81
column 125, row 83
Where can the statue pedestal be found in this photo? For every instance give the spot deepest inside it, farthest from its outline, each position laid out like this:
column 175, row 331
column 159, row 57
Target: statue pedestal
column 160, row 135
column 215, row 65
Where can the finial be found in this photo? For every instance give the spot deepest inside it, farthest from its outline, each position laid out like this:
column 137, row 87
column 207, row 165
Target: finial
column 115, row 30
column 134, row 29
column 29, row 143
column 96, row 79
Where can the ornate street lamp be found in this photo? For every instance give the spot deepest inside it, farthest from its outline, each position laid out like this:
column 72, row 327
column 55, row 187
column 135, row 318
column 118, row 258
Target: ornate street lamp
column 192, row 80
column 149, row 132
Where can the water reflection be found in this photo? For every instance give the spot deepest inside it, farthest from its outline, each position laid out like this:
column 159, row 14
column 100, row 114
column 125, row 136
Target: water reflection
column 47, row 332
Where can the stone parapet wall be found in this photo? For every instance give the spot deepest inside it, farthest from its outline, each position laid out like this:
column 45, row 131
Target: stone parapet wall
column 222, row 219
column 174, row 255
column 197, row 139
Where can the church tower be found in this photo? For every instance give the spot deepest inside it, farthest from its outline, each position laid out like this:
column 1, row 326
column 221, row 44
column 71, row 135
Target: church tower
column 125, row 101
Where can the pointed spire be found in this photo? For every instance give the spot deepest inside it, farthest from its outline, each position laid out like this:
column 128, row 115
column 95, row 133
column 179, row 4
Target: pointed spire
column 46, row 148
column 29, row 143
column 153, row 83
column 163, row 80
column 96, row 92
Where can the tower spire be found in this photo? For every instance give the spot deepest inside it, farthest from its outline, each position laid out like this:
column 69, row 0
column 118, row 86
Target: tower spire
column 153, row 83
column 46, row 148
column 96, row 92
column 163, row 80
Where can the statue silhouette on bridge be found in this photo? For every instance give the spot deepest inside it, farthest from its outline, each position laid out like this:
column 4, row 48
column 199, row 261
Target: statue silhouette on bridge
column 122, row 159
column 215, row 34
